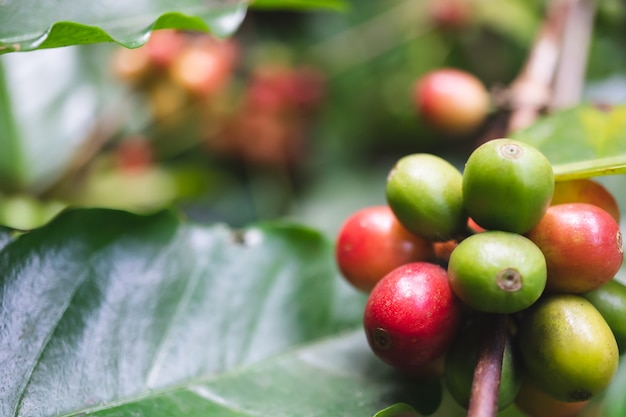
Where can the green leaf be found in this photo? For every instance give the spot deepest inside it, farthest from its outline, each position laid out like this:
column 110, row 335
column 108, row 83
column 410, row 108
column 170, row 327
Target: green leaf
column 119, row 314
column 517, row 19
column 592, row 168
column 30, row 24
column 581, row 142
column 335, row 377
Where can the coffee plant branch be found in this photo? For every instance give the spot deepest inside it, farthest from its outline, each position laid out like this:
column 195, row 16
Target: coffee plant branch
column 551, row 78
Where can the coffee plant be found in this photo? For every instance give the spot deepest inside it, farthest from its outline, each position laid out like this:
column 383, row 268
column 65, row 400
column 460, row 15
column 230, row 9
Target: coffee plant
column 312, row 207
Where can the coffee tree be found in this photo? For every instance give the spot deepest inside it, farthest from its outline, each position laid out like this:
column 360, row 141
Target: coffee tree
column 312, row 207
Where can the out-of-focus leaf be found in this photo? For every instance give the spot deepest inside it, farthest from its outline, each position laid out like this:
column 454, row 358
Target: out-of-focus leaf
column 10, row 166
column 337, row 5
column 581, row 142
column 25, row 212
column 516, row 19
column 339, row 193
column 49, row 102
column 30, row 24
column 614, row 402
column 109, row 313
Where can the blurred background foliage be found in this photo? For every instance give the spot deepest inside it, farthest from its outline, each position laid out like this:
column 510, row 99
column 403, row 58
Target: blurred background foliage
column 299, row 115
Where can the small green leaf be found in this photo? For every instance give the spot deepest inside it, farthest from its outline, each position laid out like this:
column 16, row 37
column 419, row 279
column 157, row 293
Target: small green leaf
column 592, row 168
column 581, row 142
column 30, row 24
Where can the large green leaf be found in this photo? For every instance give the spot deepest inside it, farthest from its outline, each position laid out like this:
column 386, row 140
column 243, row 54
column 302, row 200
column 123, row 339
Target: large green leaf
column 31, row 24
column 122, row 314
column 332, row 378
column 580, row 142
column 26, row 25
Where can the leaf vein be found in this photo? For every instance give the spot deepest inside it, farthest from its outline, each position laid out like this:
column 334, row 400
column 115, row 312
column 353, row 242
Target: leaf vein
column 45, row 344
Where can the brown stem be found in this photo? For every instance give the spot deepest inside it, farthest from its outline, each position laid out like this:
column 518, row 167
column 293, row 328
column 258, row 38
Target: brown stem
column 553, row 74
column 570, row 72
column 530, row 92
column 528, row 95
column 486, row 383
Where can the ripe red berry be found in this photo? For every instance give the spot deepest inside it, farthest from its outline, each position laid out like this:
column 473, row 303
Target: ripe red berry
column 412, row 315
column 164, row 46
column 451, row 14
column 372, row 242
column 452, row 101
column 204, row 67
column 582, row 244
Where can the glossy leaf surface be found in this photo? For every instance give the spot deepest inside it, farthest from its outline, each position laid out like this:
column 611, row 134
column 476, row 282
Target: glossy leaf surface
column 338, row 376
column 110, row 311
column 31, row 24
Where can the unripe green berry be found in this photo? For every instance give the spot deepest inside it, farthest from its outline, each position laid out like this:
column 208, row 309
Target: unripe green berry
column 425, row 193
column 497, row 272
column 507, row 185
column 567, row 347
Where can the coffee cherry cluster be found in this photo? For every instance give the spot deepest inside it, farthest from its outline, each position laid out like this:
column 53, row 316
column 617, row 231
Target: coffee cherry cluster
column 451, row 247
column 199, row 85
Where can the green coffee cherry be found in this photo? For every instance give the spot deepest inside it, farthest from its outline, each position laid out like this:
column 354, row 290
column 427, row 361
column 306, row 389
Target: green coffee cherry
column 507, row 185
column 610, row 301
column 497, row 272
column 425, row 193
column 567, row 348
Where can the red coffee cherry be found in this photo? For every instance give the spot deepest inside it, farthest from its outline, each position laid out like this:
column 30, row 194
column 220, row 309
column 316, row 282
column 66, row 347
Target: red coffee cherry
column 372, row 242
column 451, row 14
column 582, row 244
column 451, row 101
column 412, row 315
